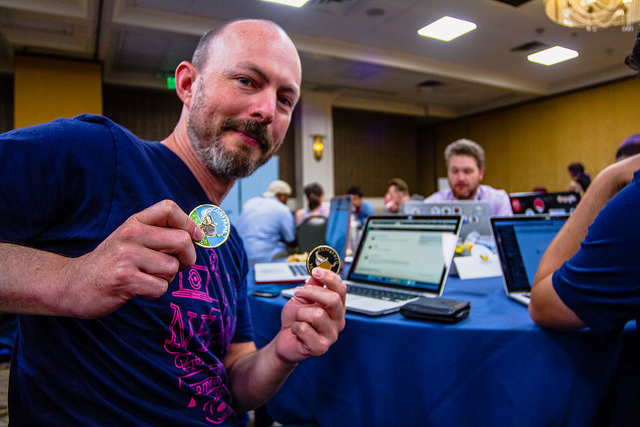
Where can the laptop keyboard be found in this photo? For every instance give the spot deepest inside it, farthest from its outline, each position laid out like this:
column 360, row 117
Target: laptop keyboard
column 298, row 270
column 382, row 294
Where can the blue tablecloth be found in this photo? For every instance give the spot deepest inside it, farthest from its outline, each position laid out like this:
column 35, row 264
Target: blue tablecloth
column 494, row 368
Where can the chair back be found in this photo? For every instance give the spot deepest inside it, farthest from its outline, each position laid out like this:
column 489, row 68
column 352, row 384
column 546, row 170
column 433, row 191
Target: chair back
column 312, row 232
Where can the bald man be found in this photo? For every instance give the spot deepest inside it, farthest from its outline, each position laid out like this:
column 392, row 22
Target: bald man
column 123, row 320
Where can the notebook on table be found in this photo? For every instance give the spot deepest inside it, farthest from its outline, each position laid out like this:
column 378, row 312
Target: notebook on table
column 336, row 236
column 540, row 203
column 399, row 259
column 521, row 241
column 475, row 213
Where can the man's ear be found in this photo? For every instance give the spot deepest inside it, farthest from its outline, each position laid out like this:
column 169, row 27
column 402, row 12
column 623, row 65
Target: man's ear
column 186, row 75
column 481, row 174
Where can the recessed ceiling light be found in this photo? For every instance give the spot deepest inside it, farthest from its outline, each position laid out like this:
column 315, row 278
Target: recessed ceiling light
column 447, row 28
column 294, row 3
column 553, row 55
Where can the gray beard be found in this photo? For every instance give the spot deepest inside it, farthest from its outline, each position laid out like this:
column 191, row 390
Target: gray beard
column 222, row 163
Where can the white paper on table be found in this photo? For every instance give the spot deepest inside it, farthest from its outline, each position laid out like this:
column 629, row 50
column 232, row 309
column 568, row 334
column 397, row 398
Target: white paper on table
column 475, row 266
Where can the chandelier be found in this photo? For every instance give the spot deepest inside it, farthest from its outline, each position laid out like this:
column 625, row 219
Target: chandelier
column 594, row 14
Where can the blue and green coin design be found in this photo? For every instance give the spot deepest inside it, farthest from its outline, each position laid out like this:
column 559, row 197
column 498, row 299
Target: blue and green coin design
column 214, row 223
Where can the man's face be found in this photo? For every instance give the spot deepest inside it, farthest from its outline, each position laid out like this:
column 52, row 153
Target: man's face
column 395, row 195
column 464, row 176
column 243, row 100
column 283, row 198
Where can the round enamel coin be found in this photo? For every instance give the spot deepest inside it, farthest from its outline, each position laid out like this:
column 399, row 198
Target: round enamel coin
column 323, row 256
column 213, row 222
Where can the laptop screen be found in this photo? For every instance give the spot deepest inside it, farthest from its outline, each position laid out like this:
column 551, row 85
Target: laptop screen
column 406, row 251
column 338, row 224
column 521, row 241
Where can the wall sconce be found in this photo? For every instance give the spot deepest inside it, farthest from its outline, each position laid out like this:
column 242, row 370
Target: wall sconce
column 318, row 146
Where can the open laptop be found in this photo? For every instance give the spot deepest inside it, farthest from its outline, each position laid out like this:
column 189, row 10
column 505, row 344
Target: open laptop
column 540, row 203
column 336, row 236
column 475, row 213
column 521, row 241
column 400, row 258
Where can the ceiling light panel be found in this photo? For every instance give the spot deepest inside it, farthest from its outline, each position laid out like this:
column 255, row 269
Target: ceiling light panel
column 553, row 55
column 294, row 3
column 447, row 28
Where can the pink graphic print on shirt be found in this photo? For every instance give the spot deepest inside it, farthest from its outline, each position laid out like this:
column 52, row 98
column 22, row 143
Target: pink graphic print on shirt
column 195, row 335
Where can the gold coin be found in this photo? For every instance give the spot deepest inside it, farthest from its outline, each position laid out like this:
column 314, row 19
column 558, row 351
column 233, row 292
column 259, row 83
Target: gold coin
column 325, row 257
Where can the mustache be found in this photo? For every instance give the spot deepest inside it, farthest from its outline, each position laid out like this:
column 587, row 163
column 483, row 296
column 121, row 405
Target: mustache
column 252, row 128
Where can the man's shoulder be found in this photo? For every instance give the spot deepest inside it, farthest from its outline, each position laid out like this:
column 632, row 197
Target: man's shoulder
column 81, row 133
column 366, row 206
column 439, row 196
column 253, row 201
column 487, row 190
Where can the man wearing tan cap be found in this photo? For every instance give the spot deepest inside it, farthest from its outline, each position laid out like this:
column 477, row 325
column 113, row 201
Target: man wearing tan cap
column 266, row 225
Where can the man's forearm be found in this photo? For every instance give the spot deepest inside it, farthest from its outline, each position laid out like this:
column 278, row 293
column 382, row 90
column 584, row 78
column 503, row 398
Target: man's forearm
column 30, row 280
column 257, row 376
column 567, row 242
column 546, row 307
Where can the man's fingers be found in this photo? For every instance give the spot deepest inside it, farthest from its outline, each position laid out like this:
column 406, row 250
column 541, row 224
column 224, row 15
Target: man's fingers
column 168, row 214
column 170, row 241
column 327, row 278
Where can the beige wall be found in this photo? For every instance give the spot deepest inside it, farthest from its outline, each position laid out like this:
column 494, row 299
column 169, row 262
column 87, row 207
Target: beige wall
column 47, row 88
column 531, row 145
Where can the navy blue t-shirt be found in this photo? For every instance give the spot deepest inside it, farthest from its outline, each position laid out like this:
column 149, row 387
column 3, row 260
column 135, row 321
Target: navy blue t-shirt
column 64, row 187
column 601, row 282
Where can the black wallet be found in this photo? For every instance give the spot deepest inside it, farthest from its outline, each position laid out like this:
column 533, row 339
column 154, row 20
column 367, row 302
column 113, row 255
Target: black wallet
column 436, row 310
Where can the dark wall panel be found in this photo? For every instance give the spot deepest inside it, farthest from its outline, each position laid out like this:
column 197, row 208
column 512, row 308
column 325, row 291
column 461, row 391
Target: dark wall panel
column 371, row 148
column 6, row 103
column 286, row 154
column 150, row 114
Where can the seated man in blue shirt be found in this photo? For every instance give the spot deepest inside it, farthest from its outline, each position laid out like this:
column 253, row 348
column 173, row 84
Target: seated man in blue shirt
column 266, row 224
column 588, row 275
column 465, row 170
column 361, row 209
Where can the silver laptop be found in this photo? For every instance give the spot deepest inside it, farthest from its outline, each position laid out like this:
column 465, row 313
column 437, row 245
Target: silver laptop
column 475, row 213
column 336, row 236
column 400, row 258
column 521, row 241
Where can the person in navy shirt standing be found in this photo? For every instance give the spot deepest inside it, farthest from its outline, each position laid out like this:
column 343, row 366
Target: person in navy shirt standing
column 123, row 320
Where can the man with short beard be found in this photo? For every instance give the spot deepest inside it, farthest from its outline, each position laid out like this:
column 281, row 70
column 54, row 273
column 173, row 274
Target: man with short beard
column 123, row 320
column 465, row 170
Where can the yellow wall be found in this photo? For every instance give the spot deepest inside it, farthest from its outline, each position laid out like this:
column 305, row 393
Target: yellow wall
column 531, row 145
column 47, row 88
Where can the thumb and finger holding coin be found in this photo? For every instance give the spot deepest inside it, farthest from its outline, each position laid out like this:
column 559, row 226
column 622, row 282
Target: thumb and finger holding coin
column 216, row 227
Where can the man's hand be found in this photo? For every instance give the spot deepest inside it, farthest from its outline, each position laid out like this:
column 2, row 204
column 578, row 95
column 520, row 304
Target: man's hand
column 311, row 322
column 313, row 318
column 139, row 258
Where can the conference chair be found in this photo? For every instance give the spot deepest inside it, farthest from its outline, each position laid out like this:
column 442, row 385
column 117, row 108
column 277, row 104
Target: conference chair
column 312, row 232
